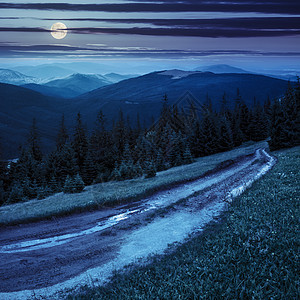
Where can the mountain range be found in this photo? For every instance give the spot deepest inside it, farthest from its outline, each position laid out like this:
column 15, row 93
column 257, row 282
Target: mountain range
column 16, row 78
column 140, row 95
column 67, row 87
column 144, row 94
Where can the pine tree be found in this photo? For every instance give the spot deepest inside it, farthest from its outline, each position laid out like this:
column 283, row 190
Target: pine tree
column 54, row 185
column 116, row 174
column 285, row 121
column 242, row 118
column 224, row 103
column 209, row 134
column 16, row 194
column 80, row 143
column 119, row 134
column 160, row 163
column 278, row 135
column 73, row 184
column 33, row 142
column 26, row 167
column 2, row 193
column 237, row 134
column 225, row 141
column 291, row 113
column 127, row 157
column 61, row 163
column 150, row 170
column 187, row 156
column 297, row 109
column 89, row 171
column 137, row 169
column 78, row 183
column 62, row 135
column 69, row 185
column 196, row 140
column 44, row 192
column 101, row 146
column 30, row 188
column 258, row 127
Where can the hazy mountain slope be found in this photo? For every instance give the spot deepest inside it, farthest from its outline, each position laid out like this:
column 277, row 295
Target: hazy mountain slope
column 114, row 77
column 52, row 91
column 16, row 78
column 79, row 83
column 45, row 71
column 221, row 69
column 18, row 106
column 144, row 93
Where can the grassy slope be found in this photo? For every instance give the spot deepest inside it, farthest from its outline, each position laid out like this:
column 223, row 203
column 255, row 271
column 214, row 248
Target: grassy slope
column 111, row 193
column 253, row 254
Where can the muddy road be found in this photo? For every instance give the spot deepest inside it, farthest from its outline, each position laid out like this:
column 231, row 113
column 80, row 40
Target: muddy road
column 44, row 257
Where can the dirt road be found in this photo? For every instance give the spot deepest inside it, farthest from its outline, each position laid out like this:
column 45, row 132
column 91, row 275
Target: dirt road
column 43, row 258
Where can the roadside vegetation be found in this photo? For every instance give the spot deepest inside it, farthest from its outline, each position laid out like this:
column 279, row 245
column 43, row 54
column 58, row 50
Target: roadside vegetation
column 117, row 192
column 251, row 254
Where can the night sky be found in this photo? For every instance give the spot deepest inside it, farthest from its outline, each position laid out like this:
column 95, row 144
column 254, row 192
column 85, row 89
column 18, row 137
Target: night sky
column 251, row 34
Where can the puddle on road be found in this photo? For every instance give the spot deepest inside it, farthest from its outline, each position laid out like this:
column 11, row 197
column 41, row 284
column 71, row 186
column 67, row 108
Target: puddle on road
column 137, row 245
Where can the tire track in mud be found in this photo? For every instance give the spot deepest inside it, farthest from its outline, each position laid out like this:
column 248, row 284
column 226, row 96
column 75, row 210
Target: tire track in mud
column 90, row 254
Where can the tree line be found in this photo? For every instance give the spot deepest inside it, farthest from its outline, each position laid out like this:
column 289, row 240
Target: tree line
column 126, row 151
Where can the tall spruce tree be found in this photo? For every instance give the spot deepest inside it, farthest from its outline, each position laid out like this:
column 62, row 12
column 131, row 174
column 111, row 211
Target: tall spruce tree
column 80, row 143
column 285, row 121
column 209, row 134
column 258, row 127
column 119, row 134
column 62, row 135
column 291, row 114
column 225, row 136
column 278, row 138
column 33, row 142
column 89, row 171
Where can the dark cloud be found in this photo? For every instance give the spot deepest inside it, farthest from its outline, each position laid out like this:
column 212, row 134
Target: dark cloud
column 288, row 7
column 215, row 2
column 192, row 32
column 9, row 50
column 23, row 29
column 249, row 23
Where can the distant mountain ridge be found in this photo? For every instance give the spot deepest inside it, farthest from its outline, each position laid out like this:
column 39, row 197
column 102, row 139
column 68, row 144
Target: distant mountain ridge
column 45, row 72
column 79, row 83
column 16, row 78
column 144, row 94
column 222, row 69
column 67, row 87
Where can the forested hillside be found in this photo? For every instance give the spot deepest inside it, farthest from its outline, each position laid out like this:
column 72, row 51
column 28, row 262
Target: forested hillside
column 127, row 151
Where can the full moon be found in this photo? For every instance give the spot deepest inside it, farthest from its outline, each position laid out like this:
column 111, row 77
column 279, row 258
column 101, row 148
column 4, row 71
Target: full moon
column 58, row 30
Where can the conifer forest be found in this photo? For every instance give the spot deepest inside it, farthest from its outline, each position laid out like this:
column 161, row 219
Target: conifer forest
column 128, row 150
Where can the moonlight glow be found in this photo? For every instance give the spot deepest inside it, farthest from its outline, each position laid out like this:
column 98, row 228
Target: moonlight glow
column 58, row 30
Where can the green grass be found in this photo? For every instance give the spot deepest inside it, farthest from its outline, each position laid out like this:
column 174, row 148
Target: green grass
column 251, row 254
column 112, row 193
